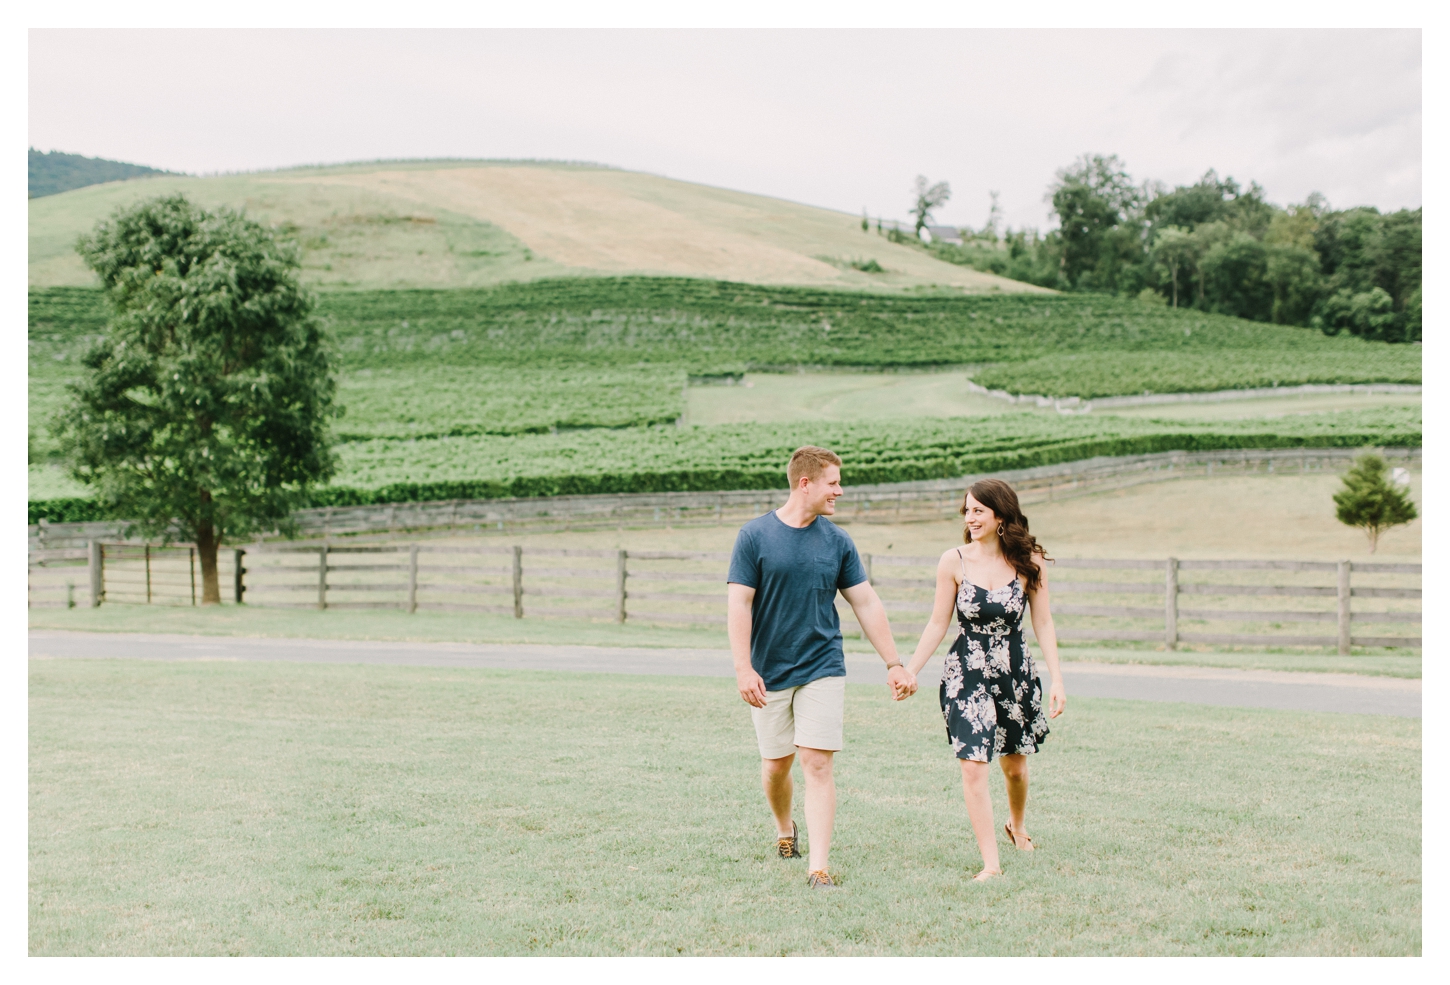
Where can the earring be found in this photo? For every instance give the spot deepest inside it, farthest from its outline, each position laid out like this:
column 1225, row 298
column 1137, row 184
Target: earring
column 999, row 530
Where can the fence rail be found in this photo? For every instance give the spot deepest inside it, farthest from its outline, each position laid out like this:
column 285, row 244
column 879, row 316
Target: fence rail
column 1233, row 603
column 886, row 503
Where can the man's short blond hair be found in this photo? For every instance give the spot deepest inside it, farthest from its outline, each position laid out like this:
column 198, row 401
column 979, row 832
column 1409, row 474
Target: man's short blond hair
column 809, row 461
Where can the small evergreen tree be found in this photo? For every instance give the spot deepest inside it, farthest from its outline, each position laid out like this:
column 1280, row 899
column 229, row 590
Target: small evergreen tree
column 204, row 407
column 1370, row 501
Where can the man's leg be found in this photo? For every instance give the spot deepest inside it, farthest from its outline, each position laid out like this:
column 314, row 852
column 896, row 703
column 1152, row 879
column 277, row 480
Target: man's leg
column 819, row 712
column 775, row 732
column 779, row 792
column 817, row 764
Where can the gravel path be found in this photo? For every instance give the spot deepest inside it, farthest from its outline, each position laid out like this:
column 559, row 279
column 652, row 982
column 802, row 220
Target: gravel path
column 1194, row 685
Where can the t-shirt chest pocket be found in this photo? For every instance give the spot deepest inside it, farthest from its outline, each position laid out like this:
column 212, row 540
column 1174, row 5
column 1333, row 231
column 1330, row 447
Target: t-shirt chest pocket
column 827, row 571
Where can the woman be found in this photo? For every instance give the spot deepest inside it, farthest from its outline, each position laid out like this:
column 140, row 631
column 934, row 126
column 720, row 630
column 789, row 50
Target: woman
column 990, row 694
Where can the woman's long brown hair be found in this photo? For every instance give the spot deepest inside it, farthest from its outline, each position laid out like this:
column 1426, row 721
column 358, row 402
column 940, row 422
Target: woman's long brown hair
column 1018, row 546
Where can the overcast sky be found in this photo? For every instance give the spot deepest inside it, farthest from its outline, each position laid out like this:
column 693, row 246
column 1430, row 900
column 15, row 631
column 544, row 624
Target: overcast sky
column 842, row 119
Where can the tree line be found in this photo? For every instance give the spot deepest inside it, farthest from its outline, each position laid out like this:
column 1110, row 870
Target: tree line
column 54, row 172
column 1216, row 246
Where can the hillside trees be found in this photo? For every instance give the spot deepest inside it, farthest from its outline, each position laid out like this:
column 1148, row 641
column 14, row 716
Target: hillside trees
column 1219, row 247
column 1174, row 251
column 1372, row 265
column 204, row 407
column 54, row 172
column 929, row 197
column 1099, row 209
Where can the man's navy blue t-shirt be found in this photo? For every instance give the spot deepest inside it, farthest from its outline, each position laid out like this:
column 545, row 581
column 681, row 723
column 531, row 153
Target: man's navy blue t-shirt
column 795, row 634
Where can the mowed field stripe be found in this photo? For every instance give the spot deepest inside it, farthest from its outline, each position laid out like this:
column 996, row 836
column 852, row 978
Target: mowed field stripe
column 1226, row 687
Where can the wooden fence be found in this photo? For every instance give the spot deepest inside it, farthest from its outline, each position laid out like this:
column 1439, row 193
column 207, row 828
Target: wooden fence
column 1168, row 602
column 887, row 503
column 126, row 573
column 1230, row 603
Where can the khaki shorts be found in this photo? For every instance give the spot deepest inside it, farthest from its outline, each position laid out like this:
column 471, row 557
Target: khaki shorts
column 811, row 715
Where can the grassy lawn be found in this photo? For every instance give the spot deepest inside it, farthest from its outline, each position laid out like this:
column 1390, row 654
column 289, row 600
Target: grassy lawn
column 1381, row 662
column 226, row 808
column 458, row 627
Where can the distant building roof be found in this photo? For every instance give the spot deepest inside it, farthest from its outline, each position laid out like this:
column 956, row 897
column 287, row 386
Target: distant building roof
column 944, row 234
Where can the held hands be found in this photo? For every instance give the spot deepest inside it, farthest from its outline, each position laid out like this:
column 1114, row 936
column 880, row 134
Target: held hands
column 902, row 682
column 752, row 687
column 1056, row 699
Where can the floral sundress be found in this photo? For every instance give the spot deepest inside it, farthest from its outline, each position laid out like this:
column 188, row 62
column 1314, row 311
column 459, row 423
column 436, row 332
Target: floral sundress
column 991, row 697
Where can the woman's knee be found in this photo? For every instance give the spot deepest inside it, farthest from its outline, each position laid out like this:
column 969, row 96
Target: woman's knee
column 974, row 774
column 1014, row 767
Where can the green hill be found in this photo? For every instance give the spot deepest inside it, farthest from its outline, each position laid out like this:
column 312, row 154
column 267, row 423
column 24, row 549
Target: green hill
column 54, row 172
column 448, row 224
column 508, row 328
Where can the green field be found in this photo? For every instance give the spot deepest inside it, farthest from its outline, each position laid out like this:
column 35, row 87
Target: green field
column 1115, row 373
column 750, row 456
column 719, row 327
column 434, row 382
column 213, row 808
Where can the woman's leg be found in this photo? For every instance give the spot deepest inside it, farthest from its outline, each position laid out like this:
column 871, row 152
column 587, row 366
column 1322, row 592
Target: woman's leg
column 1014, row 768
column 979, row 809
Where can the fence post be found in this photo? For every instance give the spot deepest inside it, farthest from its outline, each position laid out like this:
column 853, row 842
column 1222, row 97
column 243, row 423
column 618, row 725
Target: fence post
column 322, row 577
column 97, row 566
column 412, row 577
column 866, row 563
column 239, row 587
column 191, row 557
column 70, row 594
column 148, row 574
column 621, row 574
column 1344, row 567
column 518, row 582
column 1170, row 605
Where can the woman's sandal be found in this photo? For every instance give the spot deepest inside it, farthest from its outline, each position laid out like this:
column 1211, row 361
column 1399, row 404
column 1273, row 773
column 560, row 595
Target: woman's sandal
column 1030, row 846
column 986, row 874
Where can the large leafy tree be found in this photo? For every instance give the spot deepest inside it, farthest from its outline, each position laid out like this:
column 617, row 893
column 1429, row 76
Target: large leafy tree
column 1235, row 275
column 1175, row 251
column 205, row 405
column 1096, row 204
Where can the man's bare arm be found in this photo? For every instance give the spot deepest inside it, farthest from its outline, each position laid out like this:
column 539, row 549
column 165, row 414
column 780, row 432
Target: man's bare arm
column 871, row 614
column 738, row 623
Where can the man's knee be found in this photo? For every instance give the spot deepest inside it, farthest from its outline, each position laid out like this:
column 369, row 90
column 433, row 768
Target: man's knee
column 775, row 767
column 816, row 763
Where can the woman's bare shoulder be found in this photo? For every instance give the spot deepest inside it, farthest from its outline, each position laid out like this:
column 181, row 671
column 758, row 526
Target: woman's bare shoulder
column 950, row 561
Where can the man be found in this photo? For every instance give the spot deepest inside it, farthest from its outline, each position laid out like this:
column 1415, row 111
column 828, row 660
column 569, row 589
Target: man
column 786, row 639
